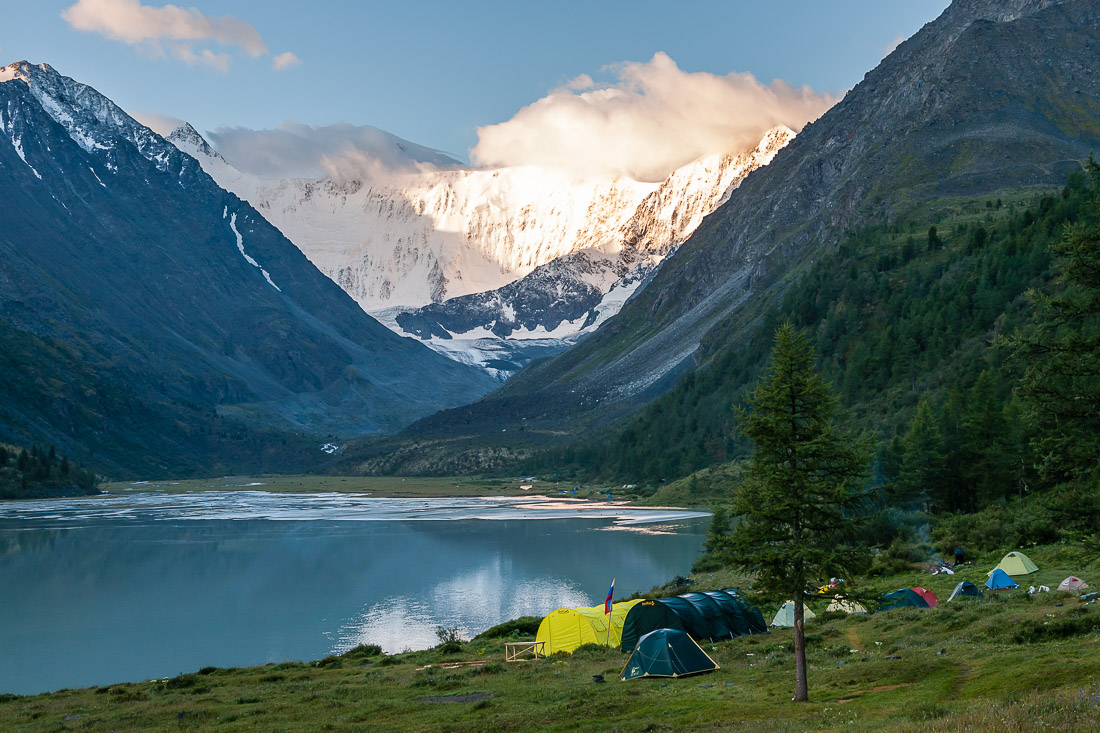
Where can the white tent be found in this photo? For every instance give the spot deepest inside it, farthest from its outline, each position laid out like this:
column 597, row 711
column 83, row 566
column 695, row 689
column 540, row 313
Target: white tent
column 845, row 606
column 1072, row 583
column 785, row 615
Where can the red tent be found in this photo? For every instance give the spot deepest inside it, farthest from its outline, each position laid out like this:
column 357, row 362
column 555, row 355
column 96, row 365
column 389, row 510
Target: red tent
column 928, row 596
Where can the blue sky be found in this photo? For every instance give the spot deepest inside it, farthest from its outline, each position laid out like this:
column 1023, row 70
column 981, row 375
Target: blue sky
column 435, row 71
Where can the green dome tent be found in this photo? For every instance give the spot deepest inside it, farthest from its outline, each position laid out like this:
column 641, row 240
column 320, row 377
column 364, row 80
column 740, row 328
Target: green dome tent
column 965, row 589
column 902, row 597
column 713, row 615
column 666, row 653
column 1016, row 563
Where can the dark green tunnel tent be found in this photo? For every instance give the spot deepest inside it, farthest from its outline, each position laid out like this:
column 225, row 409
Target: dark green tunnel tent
column 713, row 615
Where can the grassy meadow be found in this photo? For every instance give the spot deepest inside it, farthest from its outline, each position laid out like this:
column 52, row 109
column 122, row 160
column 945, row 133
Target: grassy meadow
column 1007, row 662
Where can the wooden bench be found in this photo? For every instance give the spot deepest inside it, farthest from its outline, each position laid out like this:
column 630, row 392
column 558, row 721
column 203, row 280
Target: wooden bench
column 517, row 651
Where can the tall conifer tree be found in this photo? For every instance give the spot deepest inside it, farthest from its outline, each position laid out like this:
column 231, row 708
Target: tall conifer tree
column 804, row 486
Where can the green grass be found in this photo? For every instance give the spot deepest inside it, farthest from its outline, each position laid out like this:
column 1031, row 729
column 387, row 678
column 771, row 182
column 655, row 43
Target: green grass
column 984, row 679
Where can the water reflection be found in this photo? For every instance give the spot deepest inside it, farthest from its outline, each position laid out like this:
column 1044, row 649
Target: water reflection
column 110, row 598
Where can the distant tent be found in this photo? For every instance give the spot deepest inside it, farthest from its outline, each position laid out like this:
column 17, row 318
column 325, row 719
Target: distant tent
column 713, row 615
column 903, row 597
column 666, row 653
column 1072, row 583
column 843, row 605
column 999, row 580
column 566, row 629
column 929, row 597
column 964, row 589
column 1016, row 563
column 784, row 617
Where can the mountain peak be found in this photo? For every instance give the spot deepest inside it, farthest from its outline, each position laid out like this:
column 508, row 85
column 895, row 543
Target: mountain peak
column 187, row 138
column 24, row 71
column 96, row 123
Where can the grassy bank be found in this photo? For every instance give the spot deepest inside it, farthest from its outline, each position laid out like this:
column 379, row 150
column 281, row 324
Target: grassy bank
column 1004, row 662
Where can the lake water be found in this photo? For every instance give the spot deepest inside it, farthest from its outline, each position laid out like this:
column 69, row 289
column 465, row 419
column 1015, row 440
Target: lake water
column 123, row 588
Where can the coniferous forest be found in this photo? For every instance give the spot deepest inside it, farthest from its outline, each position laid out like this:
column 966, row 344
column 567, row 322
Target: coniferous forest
column 966, row 338
column 39, row 473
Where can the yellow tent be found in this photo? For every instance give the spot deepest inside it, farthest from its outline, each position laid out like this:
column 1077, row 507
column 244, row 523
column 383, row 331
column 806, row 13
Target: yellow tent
column 1016, row 563
column 566, row 629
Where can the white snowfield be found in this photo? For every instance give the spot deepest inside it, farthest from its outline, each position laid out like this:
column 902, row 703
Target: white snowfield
column 412, row 238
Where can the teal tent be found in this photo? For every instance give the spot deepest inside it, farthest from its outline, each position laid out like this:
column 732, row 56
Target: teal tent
column 964, row 589
column 666, row 653
column 999, row 580
column 902, row 597
column 713, row 615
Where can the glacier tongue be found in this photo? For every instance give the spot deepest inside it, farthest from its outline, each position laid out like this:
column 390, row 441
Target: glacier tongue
column 464, row 259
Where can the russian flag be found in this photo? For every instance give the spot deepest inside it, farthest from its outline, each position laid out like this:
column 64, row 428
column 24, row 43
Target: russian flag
column 610, row 594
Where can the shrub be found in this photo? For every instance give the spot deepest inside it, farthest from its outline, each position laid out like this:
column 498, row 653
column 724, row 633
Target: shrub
column 517, row 627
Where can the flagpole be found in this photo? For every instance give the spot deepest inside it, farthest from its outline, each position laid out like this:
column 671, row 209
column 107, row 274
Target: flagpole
column 607, row 611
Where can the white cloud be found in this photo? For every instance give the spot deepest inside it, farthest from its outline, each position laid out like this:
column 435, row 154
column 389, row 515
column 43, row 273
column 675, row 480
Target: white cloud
column 284, row 61
column 181, row 33
column 653, row 119
column 893, row 46
column 341, row 151
column 163, row 125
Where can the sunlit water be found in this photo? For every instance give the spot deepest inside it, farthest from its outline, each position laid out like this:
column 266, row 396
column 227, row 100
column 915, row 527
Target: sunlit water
column 124, row 588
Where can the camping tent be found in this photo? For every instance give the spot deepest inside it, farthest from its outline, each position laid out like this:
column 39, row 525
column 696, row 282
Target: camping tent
column 843, row 605
column 713, row 615
column 666, row 653
column 929, row 597
column 1016, row 563
column 963, row 589
column 903, row 597
column 1072, row 583
column 785, row 615
column 999, row 579
column 566, row 629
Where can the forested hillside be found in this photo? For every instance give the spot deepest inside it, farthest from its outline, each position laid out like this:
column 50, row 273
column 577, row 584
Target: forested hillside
column 39, row 473
column 905, row 314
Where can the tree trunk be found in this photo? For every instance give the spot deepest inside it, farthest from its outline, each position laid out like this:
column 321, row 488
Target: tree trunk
column 801, row 687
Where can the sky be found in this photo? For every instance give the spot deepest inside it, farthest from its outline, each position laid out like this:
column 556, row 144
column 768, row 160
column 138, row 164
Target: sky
column 642, row 84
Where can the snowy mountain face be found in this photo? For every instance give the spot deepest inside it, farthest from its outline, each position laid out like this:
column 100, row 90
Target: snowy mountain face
column 173, row 321
column 491, row 267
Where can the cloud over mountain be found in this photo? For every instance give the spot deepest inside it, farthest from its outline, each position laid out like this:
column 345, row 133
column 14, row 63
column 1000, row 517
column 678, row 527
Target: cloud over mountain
column 653, row 119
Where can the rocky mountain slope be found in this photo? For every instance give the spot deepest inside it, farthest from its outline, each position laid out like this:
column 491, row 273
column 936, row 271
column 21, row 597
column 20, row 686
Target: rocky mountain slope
column 992, row 95
column 491, row 267
column 152, row 323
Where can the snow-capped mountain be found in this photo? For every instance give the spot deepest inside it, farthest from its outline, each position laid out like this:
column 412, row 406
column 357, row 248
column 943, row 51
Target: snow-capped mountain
column 492, row 267
column 154, row 319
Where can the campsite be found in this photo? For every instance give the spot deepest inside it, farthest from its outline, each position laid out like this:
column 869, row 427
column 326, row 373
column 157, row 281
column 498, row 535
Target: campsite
column 1006, row 661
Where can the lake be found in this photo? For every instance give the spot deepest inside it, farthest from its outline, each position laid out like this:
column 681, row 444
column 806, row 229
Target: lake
column 124, row 588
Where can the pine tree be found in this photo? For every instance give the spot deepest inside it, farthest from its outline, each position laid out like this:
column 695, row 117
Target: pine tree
column 985, row 433
column 804, row 486
column 1061, row 353
column 922, row 456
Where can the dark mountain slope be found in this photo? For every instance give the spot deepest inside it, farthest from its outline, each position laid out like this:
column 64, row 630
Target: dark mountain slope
column 992, row 95
column 156, row 321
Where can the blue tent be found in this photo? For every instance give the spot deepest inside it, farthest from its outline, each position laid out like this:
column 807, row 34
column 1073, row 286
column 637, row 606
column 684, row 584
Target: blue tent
column 1000, row 579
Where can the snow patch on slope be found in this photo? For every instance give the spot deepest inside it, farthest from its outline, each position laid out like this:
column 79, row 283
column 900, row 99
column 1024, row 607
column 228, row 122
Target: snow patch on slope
column 247, row 257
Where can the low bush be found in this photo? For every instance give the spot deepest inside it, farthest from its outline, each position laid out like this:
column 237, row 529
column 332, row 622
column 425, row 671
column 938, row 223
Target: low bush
column 516, row 628
column 1032, row 631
